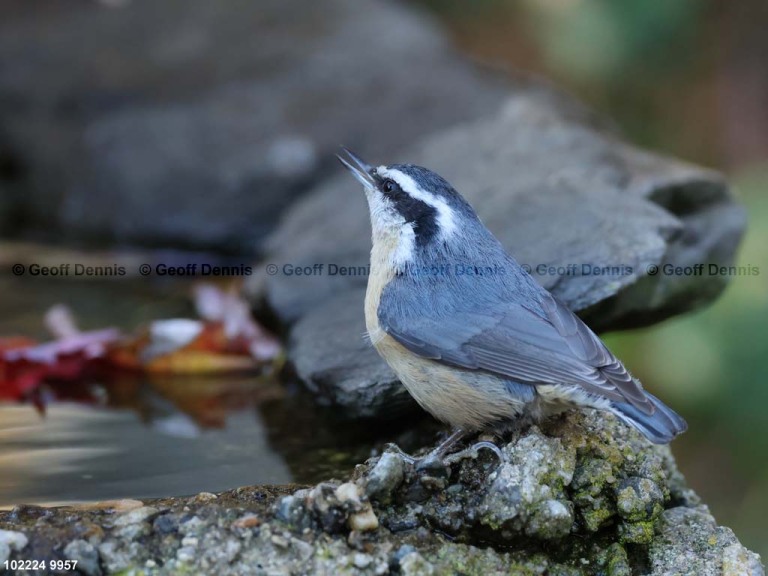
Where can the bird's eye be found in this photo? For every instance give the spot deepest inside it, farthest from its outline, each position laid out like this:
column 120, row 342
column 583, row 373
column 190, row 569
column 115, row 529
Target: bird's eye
column 389, row 186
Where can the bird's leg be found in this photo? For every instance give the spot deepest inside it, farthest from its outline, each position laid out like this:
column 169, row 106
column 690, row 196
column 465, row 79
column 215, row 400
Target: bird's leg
column 454, row 438
column 438, row 455
column 434, row 454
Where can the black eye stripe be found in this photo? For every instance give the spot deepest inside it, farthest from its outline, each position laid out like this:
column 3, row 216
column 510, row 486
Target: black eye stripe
column 419, row 213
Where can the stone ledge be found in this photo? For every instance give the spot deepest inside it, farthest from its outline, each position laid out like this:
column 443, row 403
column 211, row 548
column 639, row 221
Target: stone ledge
column 582, row 495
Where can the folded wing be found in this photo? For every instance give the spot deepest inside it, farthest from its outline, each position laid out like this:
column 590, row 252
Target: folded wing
column 550, row 345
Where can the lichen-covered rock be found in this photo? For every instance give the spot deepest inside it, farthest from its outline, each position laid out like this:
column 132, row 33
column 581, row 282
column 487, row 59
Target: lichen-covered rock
column 578, row 475
column 527, row 492
column 615, row 561
column 689, row 541
column 590, row 482
column 639, row 499
column 530, row 514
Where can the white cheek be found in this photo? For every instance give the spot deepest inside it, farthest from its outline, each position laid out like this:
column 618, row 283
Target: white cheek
column 385, row 220
column 389, row 226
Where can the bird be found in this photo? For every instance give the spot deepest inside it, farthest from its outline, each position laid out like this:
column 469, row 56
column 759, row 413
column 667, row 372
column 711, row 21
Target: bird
column 472, row 336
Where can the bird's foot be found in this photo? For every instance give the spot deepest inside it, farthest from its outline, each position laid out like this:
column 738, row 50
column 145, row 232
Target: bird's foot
column 439, row 457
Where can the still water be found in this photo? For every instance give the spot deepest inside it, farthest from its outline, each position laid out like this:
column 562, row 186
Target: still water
column 136, row 436
column 79, row 452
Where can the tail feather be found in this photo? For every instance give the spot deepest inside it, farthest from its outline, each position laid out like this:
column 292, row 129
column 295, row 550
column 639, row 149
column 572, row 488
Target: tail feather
column 660, row 427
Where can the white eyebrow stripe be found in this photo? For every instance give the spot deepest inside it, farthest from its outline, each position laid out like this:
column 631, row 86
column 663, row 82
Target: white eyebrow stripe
column 445, row 214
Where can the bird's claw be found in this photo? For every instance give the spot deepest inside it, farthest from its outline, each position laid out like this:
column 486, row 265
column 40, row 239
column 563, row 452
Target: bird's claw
column 407, row 458
column 436, row 459
column 472, row 452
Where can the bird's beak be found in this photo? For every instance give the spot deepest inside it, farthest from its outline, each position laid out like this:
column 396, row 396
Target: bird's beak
column 359, row 169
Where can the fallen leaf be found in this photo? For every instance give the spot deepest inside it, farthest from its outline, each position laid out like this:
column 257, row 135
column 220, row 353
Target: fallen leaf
column 24, row 363
column 227, row 339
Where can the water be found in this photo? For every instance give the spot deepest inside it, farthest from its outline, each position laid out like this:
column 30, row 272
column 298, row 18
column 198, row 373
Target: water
column 78, row 453
column 137, row 436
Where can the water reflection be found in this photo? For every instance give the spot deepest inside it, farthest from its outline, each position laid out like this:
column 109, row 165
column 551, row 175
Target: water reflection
column 77, row 453
column 176, row 436
column 129, row 435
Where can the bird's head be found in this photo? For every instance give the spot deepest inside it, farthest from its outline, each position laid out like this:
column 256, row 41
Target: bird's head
column 412, row 205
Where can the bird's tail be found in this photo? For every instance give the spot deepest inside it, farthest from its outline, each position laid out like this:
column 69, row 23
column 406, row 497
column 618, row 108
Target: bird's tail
column 660, row 427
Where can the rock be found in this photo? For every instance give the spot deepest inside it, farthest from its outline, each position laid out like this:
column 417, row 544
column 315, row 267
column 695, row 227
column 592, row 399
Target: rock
column 414, row 564
column 528, row 489
column 521, row 516
column 341, row 367
column 362, row 561
column 550, row 520
column 118, row 555
column 135, row 516
column 199, row 122
column 293, row 510
column 165, row 524
column 617, row 562
column 565, row 197
column 134, row 524
column 639, row 499
column 362, row 518
column 86, row 555
column 691, row 542
column 11, row 541
column 385, row 477
column 364, row 521
column 246, row 522
column 591, row 482
column 119, row 506
column 334, row 508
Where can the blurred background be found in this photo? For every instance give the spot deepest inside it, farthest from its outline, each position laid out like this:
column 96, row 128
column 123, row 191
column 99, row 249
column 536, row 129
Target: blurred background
column 130, row 128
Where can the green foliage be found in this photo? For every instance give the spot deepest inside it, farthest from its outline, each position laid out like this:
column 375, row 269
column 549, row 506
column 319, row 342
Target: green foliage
column 606, row 39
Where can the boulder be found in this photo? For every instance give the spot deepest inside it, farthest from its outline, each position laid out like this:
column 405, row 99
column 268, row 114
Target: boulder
column 195, row 123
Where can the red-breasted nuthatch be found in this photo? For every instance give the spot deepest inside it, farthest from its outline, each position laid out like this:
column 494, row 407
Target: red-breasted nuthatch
column 472, row 336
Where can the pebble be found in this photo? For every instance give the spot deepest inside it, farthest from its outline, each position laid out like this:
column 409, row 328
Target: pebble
column 385, row 477
column 135, row 516
column 11, row 541
column 86, row 556
column 361, row 560
column 364, row 521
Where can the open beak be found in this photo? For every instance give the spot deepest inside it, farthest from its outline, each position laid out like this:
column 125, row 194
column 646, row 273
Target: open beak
column 359, row 169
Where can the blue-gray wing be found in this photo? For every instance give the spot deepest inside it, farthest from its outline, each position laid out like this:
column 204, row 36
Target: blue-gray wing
column 548, row 346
